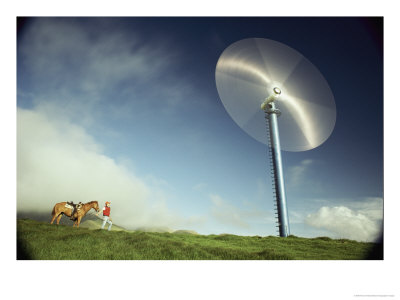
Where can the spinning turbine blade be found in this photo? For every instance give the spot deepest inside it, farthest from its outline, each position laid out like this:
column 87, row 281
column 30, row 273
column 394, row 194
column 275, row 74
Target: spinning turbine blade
column 259, row 80
column 246, row 73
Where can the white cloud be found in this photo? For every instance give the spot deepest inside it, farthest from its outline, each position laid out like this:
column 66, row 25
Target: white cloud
column 97, row 59
column 372, row 207
column 58, row 161
column 81, row 63
column 360, row 221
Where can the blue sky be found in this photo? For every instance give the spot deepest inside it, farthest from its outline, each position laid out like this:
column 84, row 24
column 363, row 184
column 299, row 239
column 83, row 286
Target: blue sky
column 126, row 110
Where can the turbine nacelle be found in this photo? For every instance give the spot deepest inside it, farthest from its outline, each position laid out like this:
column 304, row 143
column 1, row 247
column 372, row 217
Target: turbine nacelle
column 276, row 93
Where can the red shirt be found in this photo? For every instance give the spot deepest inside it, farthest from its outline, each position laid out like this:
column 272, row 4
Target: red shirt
column 106, row 211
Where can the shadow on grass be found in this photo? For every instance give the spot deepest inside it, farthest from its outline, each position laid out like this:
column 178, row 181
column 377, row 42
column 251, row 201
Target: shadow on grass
column 22, row 250
column 376, row 251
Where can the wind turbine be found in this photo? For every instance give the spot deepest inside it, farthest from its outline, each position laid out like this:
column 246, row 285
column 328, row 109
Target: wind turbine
column 261, row 80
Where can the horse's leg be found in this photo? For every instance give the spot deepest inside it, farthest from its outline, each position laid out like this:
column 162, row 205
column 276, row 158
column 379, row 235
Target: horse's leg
column 54, row 214
column 59, row 218
column 52, row 219
column 78, row 221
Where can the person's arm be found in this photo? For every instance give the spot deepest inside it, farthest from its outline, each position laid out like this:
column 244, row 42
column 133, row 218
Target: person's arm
column 100, row 211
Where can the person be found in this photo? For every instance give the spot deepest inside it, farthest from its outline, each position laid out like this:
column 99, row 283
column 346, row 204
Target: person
column 106, row 216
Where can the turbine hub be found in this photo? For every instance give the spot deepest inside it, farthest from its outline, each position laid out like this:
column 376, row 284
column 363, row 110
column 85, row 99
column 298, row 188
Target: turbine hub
column 276, row 93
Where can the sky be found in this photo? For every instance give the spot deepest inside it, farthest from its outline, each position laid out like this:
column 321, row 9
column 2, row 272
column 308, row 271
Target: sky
column 126, row 110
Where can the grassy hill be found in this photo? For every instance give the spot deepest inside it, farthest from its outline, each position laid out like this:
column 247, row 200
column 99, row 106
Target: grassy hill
column 96, row 224
column 39, row 240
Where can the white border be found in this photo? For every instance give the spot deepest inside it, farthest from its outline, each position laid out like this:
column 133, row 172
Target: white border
column 204, row 279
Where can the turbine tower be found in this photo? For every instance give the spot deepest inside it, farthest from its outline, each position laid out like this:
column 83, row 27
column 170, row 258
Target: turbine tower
column 278, row 182
column 254, row 73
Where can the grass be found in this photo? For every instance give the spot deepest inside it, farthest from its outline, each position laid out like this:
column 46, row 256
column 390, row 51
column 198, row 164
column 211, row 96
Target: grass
column 42, row 241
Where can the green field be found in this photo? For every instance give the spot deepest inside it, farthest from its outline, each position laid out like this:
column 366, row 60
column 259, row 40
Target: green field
column 42, row 241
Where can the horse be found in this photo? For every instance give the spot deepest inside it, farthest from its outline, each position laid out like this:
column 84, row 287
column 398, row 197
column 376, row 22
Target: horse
column 60, row 209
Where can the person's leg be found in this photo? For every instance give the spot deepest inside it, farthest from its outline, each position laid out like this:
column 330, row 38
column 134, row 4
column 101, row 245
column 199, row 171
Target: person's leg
column 109, row 226
column 105, row 218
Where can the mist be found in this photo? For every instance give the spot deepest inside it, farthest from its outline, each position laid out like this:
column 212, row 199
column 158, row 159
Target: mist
column 59, row 161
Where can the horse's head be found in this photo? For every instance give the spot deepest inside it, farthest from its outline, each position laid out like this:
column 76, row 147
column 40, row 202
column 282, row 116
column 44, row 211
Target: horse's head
column 96, row 206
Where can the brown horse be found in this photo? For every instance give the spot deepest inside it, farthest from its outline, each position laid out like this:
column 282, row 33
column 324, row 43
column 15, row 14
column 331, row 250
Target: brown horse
column 59, row 209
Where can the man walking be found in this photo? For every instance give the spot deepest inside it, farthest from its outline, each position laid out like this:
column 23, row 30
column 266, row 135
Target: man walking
column 106, row 215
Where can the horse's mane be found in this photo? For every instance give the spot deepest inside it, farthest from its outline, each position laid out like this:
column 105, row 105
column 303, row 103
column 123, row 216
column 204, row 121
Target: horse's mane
column 91, row 202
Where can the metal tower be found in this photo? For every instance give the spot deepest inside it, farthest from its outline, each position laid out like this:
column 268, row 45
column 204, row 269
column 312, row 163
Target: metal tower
column 274, row 146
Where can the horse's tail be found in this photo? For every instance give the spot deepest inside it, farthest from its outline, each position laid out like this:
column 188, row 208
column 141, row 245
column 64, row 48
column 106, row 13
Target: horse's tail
column 54, row 210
